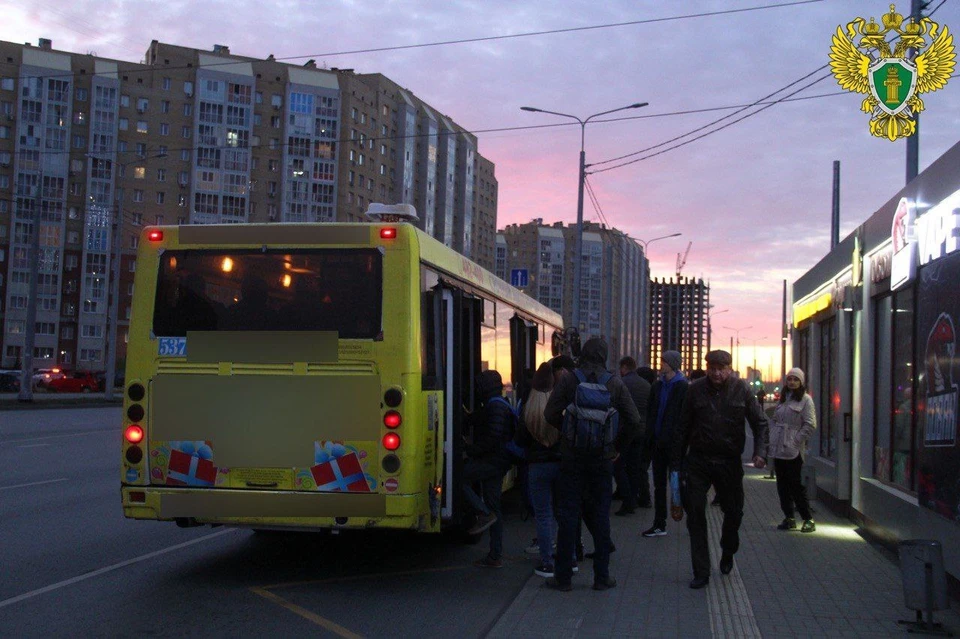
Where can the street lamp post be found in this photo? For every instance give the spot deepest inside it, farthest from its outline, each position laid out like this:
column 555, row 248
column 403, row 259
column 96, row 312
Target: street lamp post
column 645, row 243
column 710, row 315
column 577, row 272
column 755, row 340
column 737, row 331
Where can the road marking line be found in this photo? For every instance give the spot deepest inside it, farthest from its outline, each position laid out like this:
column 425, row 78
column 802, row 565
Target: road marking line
column 33, row 446
column 39, row 439
column 106, row 569
column 728, row 604
column 398, row 573
column 34, row 483
column 306, row 614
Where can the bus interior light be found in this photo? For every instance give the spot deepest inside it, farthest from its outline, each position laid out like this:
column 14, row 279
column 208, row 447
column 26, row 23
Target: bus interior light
column 155, row 236
column 388, row 233
column 391, row 441
column 392, row 419
column 133, row 434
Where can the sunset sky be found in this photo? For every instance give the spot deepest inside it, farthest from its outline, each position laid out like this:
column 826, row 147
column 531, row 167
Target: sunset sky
column 754, row 198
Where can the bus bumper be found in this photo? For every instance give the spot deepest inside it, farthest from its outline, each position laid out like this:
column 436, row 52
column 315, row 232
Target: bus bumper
column 294, row 510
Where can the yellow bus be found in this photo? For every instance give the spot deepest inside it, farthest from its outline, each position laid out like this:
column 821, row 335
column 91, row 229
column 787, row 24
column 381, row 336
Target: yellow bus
column 311, row 376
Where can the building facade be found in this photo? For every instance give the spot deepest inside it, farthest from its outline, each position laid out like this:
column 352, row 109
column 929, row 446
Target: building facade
column 679, row 320
column 613, row 285
column 874, row 328
column 103, row 147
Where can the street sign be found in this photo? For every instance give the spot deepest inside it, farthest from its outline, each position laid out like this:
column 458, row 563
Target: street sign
column 519, row 277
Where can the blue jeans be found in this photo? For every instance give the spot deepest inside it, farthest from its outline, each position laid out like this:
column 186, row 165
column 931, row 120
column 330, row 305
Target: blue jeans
column 595, row 476
column 542, row 479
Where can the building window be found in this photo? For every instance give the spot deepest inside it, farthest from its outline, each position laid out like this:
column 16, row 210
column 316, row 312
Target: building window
column 138, row 195
column 276, row 100
column 141, row 126
column 124, row 100
column 164, row 106
column 142, row 105
column 164, row 129
column 123, row 123
column 188, row 88
column 161, row 175
column 139, row 172
column 165, row 84
column 185, row 132
column 7, row 84
column 160, row 197
column 187, row 109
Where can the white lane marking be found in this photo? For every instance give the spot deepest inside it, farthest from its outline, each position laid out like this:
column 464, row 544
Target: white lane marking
column 38, row 439
column 33, row 446
column 106, row 569
column 35, row 483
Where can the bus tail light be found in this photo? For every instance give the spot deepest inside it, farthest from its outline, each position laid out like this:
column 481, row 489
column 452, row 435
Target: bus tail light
column 133, row 434
column 134, row 455
column 391, row 441
column 392, row 419
column 138, row 496
column 388, row 233
column 155, row 236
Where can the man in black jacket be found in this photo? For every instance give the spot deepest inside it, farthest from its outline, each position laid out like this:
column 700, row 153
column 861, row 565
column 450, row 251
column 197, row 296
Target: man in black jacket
column 591, row 470
column 663, row 414
column 632, row 483
column 712, row 436
column 488, row 461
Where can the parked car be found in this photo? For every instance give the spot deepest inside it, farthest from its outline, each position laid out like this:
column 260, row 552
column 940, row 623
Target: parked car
column 9, row 382
column 43, row 376
column 102, row 379
column 75, row 382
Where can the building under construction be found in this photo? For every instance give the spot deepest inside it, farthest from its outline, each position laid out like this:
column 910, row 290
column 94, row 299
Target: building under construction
column 680, row 320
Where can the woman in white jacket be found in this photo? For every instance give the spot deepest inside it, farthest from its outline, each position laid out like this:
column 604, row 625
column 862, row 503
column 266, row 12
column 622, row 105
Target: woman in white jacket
column 794, row 420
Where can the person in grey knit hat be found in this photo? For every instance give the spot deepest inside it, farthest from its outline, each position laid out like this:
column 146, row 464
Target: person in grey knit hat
column 672, row 359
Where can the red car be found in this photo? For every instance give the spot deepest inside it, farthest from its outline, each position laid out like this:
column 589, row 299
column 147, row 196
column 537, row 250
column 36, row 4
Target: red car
column 75, row 382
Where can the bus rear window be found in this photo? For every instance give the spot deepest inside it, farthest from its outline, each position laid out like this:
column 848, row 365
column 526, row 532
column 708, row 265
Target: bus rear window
column 251, row 290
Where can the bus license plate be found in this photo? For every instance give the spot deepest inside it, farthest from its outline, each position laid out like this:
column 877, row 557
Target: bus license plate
column 172, row 347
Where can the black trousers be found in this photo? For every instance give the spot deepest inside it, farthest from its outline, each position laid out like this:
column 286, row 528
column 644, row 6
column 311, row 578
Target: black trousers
column 661, row 467
column 595, row 475
column 727, row 476
column 790, row 487
column 631, row 483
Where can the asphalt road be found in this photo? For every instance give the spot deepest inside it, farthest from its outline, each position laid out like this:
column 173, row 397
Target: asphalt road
column 70, row 564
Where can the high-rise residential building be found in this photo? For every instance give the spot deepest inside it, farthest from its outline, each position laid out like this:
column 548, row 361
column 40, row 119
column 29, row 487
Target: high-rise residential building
column 679, row 320
column 613, row 286
column 196, row 137
column 500, row 268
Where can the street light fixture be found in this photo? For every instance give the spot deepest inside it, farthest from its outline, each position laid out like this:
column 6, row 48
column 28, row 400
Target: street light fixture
column 577, row 272
column 710, row 315
column 737, row 331
column 647, row 242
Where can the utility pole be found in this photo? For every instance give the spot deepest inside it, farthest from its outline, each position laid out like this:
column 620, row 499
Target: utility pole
column 913, row 141
column 29, row 338
column 783, row 338
column 835, row 213
column 112, row 337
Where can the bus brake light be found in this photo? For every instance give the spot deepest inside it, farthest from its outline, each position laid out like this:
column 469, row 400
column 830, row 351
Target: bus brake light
column 391, row 441
column 388, row 233
column 133, row 434
column 392, row 419
column 155, row 236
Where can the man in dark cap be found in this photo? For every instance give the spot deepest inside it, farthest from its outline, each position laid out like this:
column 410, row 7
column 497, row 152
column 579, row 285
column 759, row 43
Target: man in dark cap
column 588, row 467
column 710, row 443
column 630, row 469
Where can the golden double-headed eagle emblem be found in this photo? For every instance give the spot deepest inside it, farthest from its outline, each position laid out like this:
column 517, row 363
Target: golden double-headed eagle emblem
column 892, row 80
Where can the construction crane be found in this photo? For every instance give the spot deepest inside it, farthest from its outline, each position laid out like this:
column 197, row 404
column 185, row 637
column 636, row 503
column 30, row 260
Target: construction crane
column 682, row 259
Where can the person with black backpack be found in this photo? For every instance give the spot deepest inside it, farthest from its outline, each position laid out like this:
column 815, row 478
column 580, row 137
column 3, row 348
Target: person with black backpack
column 597, row 421
column 488, row 461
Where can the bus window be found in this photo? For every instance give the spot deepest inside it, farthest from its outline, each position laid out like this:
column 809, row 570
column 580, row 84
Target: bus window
column 284, row 290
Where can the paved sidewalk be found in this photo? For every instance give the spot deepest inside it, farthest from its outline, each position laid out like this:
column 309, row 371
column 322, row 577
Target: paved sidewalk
column 831, row 583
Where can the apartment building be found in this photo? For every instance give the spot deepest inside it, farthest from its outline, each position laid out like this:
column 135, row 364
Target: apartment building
column 198, row 137
column 613, row 299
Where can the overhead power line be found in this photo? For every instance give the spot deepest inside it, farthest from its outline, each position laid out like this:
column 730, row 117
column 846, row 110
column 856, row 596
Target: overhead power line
column 528, row 34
